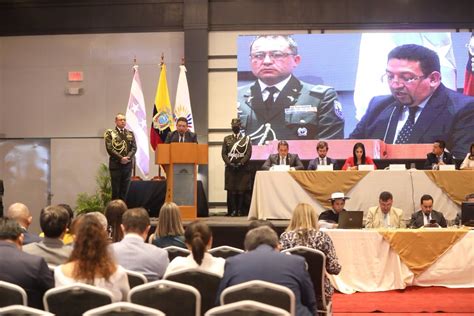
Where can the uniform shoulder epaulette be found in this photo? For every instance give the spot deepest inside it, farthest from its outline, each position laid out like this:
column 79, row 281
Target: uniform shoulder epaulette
column 320, row 89
column 108, row 132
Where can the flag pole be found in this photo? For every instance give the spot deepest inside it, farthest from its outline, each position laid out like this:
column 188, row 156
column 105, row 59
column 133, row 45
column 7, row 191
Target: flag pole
column 162, row 61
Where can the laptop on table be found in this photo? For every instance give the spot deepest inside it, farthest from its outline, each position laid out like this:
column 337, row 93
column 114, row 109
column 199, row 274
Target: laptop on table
column 351, row 220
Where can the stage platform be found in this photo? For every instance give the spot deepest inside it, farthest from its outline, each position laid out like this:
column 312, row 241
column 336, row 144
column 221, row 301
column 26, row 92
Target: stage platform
column 230, row 231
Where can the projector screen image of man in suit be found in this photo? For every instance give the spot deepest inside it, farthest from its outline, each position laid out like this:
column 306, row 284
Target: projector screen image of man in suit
column 421, row 109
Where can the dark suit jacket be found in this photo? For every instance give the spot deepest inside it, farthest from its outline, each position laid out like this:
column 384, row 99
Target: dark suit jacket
column 291, row 159
column 417, row 219
column 28, row 271
column 266, row 264
column 173, row 137
column 448, row 115
column 313, row 164
column 30, row 237
column 432, row 159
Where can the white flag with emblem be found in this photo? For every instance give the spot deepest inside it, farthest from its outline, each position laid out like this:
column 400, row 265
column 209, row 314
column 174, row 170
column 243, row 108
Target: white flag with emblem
column 136, row 122
column 182, row 105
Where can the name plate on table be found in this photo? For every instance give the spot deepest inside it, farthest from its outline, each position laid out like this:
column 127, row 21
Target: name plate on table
column 325, row 168
column 397, row 167
column 280, row 168
column 447, row 167
column 366, row 167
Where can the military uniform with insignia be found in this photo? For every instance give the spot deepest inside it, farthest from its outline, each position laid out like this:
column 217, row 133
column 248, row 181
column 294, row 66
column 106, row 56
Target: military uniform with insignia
column 120, row 144
column 301, row 111
column 236, row 153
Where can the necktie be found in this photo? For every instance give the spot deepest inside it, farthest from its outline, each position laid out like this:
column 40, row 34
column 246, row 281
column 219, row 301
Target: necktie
column 269, row 102
column 181, row 139
column 282, row 161
column 427, row 218
column 385, row 220
column 407, row 129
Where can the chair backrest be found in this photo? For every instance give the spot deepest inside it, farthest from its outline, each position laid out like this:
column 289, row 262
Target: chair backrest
column 225, row 251
column 174, row 252
column 23, row 311
column 135, row 278
column 316, row 261
column 12, row 294
column 169, row 297
column 247, row 308
column 205, row 282
column 124, row 308
column 260, row 291
column 75, row 299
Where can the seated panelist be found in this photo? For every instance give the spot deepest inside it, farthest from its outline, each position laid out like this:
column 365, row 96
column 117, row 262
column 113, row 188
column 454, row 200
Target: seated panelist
column 322, row 159
column 384, row 215
column 439, row 156
column 283, row 158
column 330, row 218
column 358, row 158
column 467, row 164
column 182, row 134
column 427, row 217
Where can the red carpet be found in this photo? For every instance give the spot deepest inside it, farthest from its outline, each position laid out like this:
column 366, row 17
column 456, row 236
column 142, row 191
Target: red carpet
column 411, row 300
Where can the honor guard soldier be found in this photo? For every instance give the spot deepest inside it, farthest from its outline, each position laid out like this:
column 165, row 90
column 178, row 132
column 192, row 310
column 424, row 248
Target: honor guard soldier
column 121, row 147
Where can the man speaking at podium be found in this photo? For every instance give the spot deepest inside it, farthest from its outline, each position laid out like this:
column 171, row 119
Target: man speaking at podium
column 280, row 106
column 182, row 134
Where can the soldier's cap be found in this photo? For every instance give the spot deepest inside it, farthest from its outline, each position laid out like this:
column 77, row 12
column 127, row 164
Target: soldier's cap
column 338, row 195
column 235, row 121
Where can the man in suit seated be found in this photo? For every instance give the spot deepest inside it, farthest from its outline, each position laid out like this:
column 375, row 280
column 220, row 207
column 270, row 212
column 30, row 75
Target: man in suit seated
column 322, row 159
column 427, row 217
column 263, row 261
column 27, row 271
column 53, row 221
column 384, row 215
column 438, row 156
column 283, row 158
column 21, row 213
column 133, row 253
column 330, row 218
column 182, row 134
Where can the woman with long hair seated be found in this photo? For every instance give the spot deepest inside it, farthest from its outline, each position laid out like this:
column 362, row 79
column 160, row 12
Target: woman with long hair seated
column 114, row 212
column 303, row 231
column 90, row 261
column 170, row 231
column 198, row 238
column 358, row 158
column 468, row 162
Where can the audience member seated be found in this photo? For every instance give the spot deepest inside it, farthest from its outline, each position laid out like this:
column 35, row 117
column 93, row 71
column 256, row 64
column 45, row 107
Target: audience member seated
column 21, row 213
column 384, row 215
column 102, row 220
column 170, row 230
column 439, row 156
column 261, row 222
column 468, row 162
column 133, row 253
column 330, row 218
column 468, row 198
column 303, row 231
column 263, row 261
column 283, row 158
column 322, row 148
column 91, row 262
column 67, row 239
column 427, row 217
column 358, row 158
column 198, row 237
column 53, row 222
column 20, row 268
column 113, row 213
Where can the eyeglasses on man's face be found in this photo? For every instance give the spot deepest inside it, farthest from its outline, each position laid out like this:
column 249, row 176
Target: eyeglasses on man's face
column 405, row 79
column 274, row 55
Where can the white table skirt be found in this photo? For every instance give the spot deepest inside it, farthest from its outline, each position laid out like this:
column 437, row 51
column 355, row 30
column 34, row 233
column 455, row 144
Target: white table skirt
column 276, row 194
column 370, row 265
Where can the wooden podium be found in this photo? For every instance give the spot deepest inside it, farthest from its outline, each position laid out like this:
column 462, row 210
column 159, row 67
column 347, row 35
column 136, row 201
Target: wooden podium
column 180, row 162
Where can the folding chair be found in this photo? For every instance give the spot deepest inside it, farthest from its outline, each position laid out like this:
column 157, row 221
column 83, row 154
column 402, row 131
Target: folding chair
column 135, row 278
column 316, row 261
column 225, row 251
column 246, row 308
column 205, row 282
column 170, row 297
column 261, row 291
column 174, row 252
column 12, row 294
column 21, row 310
column 75, row 299
column 125, row 309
